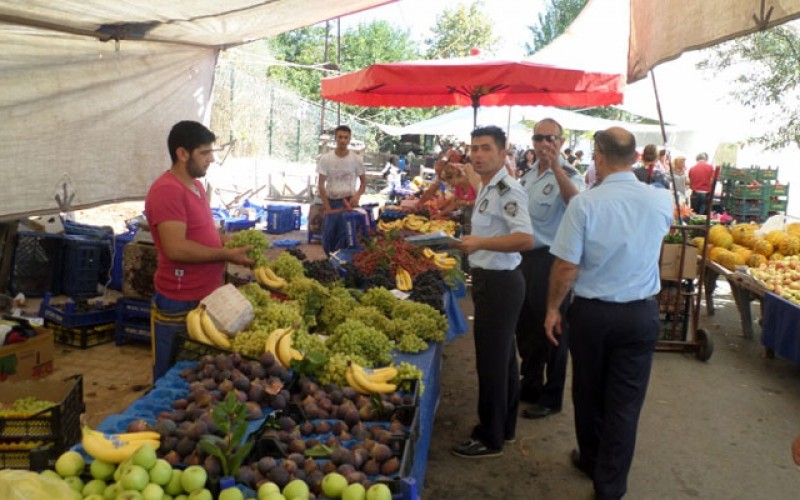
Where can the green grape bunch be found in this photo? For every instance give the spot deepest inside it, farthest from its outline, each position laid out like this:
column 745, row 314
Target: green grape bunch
column 254, row 238
column 408, row 372
column 411, row 343
column 355, row 338
column 287, row 266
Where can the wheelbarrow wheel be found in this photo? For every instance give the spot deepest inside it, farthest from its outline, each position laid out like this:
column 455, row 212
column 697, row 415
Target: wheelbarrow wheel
column 705, row 345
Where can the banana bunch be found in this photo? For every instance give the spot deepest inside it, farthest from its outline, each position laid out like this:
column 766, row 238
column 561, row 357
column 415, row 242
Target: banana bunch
column 415, row 222
column 280, row 344
column 267, row 277
column 386, row 226
column 441, row 259
column 370, row 381
column 201, row 328
column 116, row 448
column 448, row 227
column 403, row 280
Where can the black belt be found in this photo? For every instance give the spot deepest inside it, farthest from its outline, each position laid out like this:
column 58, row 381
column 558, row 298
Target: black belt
column 629, row 303
column 480, row 270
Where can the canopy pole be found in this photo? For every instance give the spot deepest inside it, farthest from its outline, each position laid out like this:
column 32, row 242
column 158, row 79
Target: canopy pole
column 664, row 141
column 476, row 103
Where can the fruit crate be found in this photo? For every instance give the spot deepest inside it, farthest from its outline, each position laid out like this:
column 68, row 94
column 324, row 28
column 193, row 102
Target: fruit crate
column 118, row 244
column 239, row 224
column 135, row 331
column 778, row 190
column 744, row 191
column 58, row 428
column 737, row 174
column 86, row 262
column 767, row 174
column 74, row 315
column 83, row 337
column 777, row 206
column 187, row 349
column 133, row 310
column 36, row 265
column 747, row 207
column 88, row 230
column 283, row 218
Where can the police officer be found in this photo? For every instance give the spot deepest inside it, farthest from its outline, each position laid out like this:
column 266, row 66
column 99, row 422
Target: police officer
column 607, row 250
column 550, row 185
column 501, row 229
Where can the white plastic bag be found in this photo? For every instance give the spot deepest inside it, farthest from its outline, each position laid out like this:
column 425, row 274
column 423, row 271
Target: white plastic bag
column 775, row 223
column 229, row 309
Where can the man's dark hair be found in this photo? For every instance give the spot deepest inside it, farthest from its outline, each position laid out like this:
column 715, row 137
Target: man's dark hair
column 342, row 128
column 188, row 135
column 650, row 153
column 702, row 157
column 568, row 151
column 618, row 145
column 494, row 132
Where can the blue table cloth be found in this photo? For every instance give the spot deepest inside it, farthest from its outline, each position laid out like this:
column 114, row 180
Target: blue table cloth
column 781, row 328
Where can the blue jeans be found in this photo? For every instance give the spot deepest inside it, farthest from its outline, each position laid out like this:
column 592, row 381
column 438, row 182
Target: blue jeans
column 334, row 231
column 168, row 319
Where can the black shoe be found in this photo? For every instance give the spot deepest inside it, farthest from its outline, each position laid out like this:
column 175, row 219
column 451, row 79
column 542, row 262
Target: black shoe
column 510, row 440
column 539, row 411
column 472, row 448
column 580, row 464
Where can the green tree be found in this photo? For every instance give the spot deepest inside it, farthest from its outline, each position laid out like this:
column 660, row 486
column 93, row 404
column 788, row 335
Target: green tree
column 459, row 30
column 305, row 48
column 552, row 22
column 765, row 67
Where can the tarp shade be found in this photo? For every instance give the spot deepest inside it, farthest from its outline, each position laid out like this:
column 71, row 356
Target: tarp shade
column 92, row 117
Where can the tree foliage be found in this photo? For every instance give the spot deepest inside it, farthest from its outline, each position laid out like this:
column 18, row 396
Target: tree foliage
column 766, row 66
column 552, row 22
column 460, row 29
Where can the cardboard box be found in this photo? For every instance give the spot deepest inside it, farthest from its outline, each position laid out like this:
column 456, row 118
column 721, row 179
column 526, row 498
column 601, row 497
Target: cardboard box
column 28, row 360
column 670, row 261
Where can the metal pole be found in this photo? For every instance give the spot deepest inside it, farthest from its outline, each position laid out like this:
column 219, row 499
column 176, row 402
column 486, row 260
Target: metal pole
column 664, row 141
column 325, row 60
column 339, row 64
column 271, row 117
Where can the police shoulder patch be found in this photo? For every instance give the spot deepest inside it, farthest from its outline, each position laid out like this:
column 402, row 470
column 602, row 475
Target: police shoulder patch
column 503, row 188
column 511, row 208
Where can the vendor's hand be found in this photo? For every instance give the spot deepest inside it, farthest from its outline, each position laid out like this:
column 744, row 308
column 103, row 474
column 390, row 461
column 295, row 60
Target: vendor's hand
column 470, row 244
column 796, row 450
column 354, row 200
column 238, row 255
column 549, row 155
column 552, row 325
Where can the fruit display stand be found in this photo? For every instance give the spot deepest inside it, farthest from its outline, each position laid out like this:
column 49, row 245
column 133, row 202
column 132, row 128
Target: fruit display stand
column 743, row 290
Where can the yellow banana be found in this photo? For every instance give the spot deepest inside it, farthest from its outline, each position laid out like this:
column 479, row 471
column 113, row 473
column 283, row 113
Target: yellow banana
column 361, row 379
column 428, row 253
column 383, row 374
column 403, row 280
column 444, row 262
column 127, row 436
column 108, row 448
column 217, row 338
column 194, row 327
column 287, row 353
column 271, row 345
column 269, row 279
column 348, row 375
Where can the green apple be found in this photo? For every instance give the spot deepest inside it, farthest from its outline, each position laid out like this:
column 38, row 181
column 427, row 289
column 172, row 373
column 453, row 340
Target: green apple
column 94, row 487
column 75, row 483
column 379, row 491
column 121, row 468
column 145, row 457
column 333, row 484
column 153, row 492
column 275, row 495
column 70, row 463
column 173, row 487
column 201, row 494
column 161, row 472
column 112, row 490
column 135, row 478
column 354, row 491
column 193, row 478
column 93, row 497
column 297, row 489
column 232, row 493
column 181, row 497
column 102, row 470
column 267, row 488
column 130, row 495
column 50, row 473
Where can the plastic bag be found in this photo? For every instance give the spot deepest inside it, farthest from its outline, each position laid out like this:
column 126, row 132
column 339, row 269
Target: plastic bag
column 774, row 223
column 27, row 485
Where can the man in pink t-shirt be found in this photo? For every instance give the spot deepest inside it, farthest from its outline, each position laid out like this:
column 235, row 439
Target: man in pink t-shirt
column 700, row 177
column 191, row 258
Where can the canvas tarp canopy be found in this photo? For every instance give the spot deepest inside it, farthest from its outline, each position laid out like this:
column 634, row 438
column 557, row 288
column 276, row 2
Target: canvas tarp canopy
column 90, row 88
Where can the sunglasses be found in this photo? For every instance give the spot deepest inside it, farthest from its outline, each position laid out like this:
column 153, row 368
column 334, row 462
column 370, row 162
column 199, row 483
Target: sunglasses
column 544, row 137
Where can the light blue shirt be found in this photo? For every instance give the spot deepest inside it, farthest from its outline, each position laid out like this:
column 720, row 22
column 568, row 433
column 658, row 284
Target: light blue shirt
column 613, row 232
column 499, row 210
column 546, row 206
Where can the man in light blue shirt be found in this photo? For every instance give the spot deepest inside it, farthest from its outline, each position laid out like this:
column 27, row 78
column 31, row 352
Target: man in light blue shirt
column 607, row 251
column 501, row 229
column 550, row 185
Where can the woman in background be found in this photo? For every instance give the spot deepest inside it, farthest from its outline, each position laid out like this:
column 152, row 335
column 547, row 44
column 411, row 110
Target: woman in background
column 679, row 173
column 526, row 163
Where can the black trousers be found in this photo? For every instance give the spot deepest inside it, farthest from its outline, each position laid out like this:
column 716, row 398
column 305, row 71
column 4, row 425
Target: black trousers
column 698, row 202
column 612, row 348
column 544, row 366
column 498, row 298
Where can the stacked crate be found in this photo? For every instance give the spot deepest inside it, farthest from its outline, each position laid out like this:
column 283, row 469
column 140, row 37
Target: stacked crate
column 752, row 194
column 79, row 324
column 133, row 321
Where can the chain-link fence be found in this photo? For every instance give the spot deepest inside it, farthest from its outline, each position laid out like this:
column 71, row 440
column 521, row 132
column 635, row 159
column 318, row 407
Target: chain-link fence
column 267, row 120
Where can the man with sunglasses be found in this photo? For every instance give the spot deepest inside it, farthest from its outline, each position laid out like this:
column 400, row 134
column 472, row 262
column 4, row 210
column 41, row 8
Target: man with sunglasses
column 550, row 185
column 607, row 250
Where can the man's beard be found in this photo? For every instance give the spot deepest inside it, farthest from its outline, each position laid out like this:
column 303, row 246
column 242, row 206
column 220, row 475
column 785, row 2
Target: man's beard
column 194, row 169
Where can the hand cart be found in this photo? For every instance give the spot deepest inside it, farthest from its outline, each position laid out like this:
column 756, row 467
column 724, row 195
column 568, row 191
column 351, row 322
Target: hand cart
column 679, row 300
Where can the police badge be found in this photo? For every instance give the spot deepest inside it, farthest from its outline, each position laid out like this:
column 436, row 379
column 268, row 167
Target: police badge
column 483, row 205
column 511, row 208
column 547, row 189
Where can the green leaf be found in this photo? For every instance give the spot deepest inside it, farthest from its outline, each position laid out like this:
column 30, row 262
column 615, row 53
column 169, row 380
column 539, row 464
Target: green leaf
column 318, row 451
column 237, row 458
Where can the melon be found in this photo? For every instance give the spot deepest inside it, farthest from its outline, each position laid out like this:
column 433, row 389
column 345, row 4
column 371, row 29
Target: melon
column 728, row 260
column 756, row 260
column 790, row 245
column 776, row 256
column 775, row 237
column 762, row 246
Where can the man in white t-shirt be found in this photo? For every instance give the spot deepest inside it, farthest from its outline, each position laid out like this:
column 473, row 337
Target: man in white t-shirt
column 337, row 171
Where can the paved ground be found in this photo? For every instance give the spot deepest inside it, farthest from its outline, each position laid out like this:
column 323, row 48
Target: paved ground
column 715, row 430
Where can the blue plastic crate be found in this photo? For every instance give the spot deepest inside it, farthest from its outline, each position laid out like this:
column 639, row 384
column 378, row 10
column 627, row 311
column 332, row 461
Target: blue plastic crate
column 133, row 309
column 71, row 317
column 119, row 241
column 283, row 218
column 239, row 224
column 355, row 227
column 96, row 232
column 37, row 264
column 84, row 265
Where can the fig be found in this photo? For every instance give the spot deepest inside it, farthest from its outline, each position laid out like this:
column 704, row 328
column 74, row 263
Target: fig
column 286, row 423
column 298, row 458
column 349, row 393
column 355, row 477
column 225, row 386
column 342, row 455
column 351, row 417
column 306, row 428
column 340, row 427
column 267, row 360
column 312, row 410
column 360, row 457
column 328, row 467
column 266, row 464
column 278, row 402
column 254, row 411
column 346, row 469
column 165, row 427
column 380, row 452
column 185, row 446
column 322, row 427
column 314, row 480
column 173, row 457
column 391, row 466
column 310, row 465
column 241, row 396
column 336, row 396
column 192, row 459
column 167, row 444
column 256, row 392
column 245, row 476
column 369, row 444
column 397, row 428
column 212, row 466
column 371, row 467
column 179, row 404
column 310, row 443
column 241, row 382
column 289, row 465
column 297, row 446
column 279, row 476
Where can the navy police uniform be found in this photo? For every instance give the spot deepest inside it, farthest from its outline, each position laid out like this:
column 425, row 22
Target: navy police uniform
column 613, row 233
column 497, row 292
column 543, row 367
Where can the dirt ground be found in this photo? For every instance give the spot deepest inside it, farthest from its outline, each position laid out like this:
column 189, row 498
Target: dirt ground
column 714, row 430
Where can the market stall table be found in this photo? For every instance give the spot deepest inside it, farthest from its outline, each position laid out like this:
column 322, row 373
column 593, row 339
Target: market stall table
column 743, row 291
